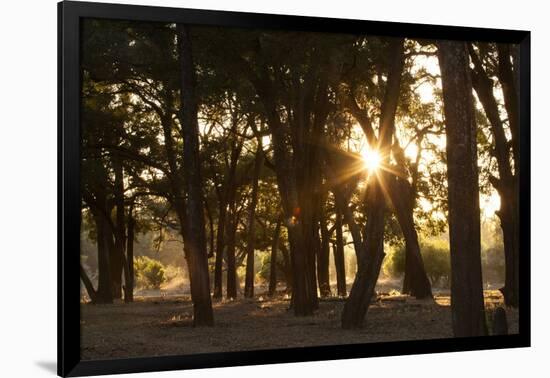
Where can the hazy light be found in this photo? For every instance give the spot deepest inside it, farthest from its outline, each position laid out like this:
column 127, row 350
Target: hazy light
column 490, row 204
column 371, row 159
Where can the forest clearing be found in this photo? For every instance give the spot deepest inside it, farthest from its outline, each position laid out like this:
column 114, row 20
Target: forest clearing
column 163, row 325
column 373, row 179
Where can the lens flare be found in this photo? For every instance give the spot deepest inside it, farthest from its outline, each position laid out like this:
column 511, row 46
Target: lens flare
column 371, row 159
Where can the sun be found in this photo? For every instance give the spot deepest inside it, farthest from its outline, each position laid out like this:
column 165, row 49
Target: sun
column 371, row 159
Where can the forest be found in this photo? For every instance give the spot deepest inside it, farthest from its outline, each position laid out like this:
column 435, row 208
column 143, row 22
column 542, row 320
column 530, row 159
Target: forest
column 250, row 189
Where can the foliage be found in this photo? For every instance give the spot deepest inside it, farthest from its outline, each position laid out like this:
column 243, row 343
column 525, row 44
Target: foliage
column 436, row 261
column 149, row 272
column 265, row 267
column 492, row 262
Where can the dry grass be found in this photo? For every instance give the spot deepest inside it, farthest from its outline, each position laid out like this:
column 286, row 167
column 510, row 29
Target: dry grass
column 154, row 326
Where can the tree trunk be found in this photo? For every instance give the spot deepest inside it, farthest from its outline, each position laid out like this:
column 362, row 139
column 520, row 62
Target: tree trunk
column 467, row 307
column 273, row 260
column 510, row 94
column 509, row 222
column 195, row 237
column 294, row 179
column 287, row 267
column 226, row 198
column 231, row 261
column 129, row 293
column 368, row 267
column 339, row 261
column 117, row 257
column 323, row 257
column 220, row 243
column 211, row 244
column 104, row 246
column 88, row 284
column 506, row 184
column 416, row 281
column 249, row 279
column 509, row 213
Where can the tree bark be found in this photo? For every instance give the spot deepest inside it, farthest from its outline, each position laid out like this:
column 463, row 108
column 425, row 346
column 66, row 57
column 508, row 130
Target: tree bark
column 129, row 293
column 467, row 306
column 88, row 284
column 117, row 257
column 339, row 262
column 104, row 246
column 286, row 267
column 511, row 95
column 416, row 281
column 231, row 260
column 195, row 237
column 249, row 279
column 368, row 267
column 100, row 209
column 220, row 243
column 323, row 257
column 273, row 260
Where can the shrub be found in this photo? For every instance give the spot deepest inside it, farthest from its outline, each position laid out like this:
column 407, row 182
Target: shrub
column 437, row 261
column 436, row 257
column 264, row 270
column 150, row 273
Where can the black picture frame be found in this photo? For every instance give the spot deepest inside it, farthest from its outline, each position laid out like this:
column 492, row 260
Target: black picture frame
column 69, row 16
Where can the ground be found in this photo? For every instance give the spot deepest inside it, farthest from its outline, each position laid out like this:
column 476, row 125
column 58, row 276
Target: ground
column 161, row 325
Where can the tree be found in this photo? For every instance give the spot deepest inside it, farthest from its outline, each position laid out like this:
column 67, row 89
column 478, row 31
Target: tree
column 370, row 260
column 194, row 232
column 324, row 252
column 249, row 279
column 338, row 252
column 273, row 260
column 296, row 142
column 467, row 307
column 400, row 192
column 503, row 150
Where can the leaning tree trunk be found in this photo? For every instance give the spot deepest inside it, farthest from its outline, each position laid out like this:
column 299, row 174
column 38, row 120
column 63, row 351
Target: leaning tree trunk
column 249, row 279
column 88, row 284
column 416, row 281
column 467, row 307
column 368, row 267
column 273, row 260
column 195, row 237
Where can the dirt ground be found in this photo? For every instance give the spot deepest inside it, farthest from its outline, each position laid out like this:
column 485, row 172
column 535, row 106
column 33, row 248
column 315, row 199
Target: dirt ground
column 162, row 325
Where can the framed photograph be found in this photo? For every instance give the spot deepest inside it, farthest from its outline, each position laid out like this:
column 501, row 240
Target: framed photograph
column 239, row 188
